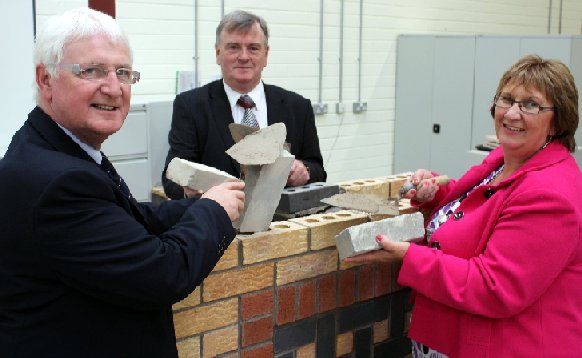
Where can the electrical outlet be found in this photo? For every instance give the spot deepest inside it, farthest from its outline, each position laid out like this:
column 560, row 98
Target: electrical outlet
column 360, row 107
column 319, row 109
column 185, row 80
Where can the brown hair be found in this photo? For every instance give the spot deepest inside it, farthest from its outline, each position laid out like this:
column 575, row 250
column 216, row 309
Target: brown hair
column 555, row 81
column 240, row 20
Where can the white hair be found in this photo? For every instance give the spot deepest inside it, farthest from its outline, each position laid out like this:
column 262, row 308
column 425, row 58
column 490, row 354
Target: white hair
column 60, row 30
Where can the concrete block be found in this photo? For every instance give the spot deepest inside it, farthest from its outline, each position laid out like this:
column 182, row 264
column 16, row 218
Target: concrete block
column 263, row 187
column 262, row 147
column 359, row 239
column 196, row 176
column 295, row 199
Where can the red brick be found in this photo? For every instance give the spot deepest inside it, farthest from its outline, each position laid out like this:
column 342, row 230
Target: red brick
column 265, row 351
column 256, row 304
column 383, row 278
column 285, row 305
column 347, row 288
column 366, row 283
column 327, row 293
column 306, row 306
column 257, row 331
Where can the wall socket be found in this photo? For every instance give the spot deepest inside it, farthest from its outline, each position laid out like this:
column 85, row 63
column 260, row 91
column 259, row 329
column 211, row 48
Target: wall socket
column 185, row 80
column 360, row 107
column 319, row 109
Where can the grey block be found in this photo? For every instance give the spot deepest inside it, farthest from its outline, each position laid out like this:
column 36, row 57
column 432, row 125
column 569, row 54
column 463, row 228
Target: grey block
column 263, row 186
column 196, row 176
column 295, row 199
column 359, row 239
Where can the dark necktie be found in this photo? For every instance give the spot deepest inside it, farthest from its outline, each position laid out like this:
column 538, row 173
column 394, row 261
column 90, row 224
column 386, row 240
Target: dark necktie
column 249, row 118
column 117, row 179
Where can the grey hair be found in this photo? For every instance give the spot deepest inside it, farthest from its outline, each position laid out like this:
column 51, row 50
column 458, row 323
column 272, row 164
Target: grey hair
column 240, row 20
column 61, row 30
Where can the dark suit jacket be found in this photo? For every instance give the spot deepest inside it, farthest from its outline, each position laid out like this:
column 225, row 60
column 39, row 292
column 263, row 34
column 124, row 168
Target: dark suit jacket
column 85, row 272
column 200, row 133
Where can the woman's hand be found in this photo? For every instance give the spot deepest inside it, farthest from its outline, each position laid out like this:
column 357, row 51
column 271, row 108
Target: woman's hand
column 390, row 252
column 424, row 185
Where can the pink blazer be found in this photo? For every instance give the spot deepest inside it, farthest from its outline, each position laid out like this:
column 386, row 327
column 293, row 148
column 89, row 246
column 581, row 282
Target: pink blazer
column 507, row 281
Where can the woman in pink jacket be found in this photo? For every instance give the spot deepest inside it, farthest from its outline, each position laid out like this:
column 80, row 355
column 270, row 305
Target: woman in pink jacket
column 500, row 274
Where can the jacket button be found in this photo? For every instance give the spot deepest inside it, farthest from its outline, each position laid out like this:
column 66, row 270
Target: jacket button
column 459, row 215
column 489, row 193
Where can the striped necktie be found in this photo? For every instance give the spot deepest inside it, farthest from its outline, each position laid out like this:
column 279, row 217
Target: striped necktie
column 249, row 118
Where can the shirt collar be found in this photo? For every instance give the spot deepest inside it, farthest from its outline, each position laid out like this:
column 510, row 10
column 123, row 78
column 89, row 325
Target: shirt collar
column 92, row 152
column 256, row 94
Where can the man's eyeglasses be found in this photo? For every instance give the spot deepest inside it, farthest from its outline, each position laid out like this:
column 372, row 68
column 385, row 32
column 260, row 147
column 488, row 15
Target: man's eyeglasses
column 100, row 72
column 527, row 106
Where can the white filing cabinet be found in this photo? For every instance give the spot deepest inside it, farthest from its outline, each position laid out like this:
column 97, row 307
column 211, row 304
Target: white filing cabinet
column 444, row 89
column 138, row 150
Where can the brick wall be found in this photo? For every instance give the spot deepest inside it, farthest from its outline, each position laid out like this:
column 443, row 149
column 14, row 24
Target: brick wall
column 284, row 293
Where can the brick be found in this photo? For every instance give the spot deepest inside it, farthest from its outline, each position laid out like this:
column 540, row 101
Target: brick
column 307, row 266
column 195, row 175
column 281, row 240
column 326, row 335
column 254, row 332
column 383, row 279
column 189, row 348
column 324, row 227
column 192, row 300
column 381, row 331
column 306, row 305
column 203, row 318
column 285, row 305
column 220, row 341
column 379, row 187
column 256, row 304
column 363, row 342
column 295, row 199
column 234, row 282
column 396, row 181
column 230, row 257
column 307, row 351
column 404, row 207
column 327, row 293
column 294, row 335
column 347, row 288
column 263, row 351
column 366, row 282
column 361, row 238
column 345, row 344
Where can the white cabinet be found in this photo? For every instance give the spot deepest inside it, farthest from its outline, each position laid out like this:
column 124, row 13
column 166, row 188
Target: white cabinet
column 444, row 89
column 138, row 150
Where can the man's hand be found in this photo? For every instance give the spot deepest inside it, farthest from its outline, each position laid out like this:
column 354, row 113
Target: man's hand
column 230, row 196
column 298, row 175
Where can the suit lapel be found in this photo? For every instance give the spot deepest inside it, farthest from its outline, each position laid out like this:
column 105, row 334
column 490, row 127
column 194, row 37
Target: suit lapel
column 222, row 115
column 55, row 136
column 276, row 112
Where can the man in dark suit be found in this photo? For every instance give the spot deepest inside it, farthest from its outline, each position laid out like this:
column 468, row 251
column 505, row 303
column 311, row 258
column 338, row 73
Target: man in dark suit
column 201, row 116
column 85, row 270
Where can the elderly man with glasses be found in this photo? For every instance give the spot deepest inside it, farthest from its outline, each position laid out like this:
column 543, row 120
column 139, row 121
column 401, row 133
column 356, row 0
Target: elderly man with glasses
column 85, row 270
